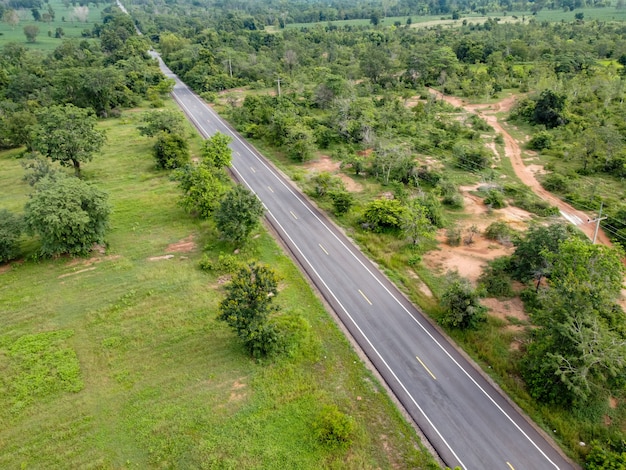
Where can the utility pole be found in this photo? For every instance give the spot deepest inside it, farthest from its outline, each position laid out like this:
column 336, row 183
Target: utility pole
column 597, row 221
column 278, row 86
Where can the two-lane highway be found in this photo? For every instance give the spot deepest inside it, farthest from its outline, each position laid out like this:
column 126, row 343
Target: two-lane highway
column 465, row 418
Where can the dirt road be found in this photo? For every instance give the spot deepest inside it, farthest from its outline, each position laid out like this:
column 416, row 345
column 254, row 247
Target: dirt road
column 513, row 151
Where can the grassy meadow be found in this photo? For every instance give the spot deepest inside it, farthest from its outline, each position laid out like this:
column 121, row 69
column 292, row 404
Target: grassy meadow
column 117, row 361
column 64, row 17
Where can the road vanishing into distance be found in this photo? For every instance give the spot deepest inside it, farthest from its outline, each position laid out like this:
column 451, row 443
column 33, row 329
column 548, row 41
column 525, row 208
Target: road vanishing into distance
column 467, row 421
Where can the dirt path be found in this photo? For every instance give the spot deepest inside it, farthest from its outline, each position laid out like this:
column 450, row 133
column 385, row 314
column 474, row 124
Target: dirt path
column 513, row 151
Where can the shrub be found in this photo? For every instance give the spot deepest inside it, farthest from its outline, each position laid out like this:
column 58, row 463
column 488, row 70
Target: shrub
column 224, row 264
column 342, row 201
column 495, row 199
column 462, row 308
column 555, row 183
column 471, row 158
column 540, row 141
column 453, row 236
column 171, row 151
column 333, row 428
column 384, row 214
column 10, row 231
column 495, row 279
column 499, row 231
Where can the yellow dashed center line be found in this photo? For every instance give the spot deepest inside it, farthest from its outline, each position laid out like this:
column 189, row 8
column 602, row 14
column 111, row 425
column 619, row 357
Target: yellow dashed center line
column 365, row 297
column 510, row 466
column 323, row 249
column 431, row 374
column 294, row 215
column 270, row 188
column 253, row 170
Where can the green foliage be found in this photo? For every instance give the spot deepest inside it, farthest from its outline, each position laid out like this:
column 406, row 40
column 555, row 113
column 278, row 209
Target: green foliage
column 460, row 301
column 600, row 458
column 215, row 151
column 165, row 120
column 31, row 32
column 67, row 134
column 495, row 199
column 495, row 279
column 530, row 259
column 202, row 189
column 41, row 366
column 171, row 151
column 555, row 183
column 225, row 263
column 384, row 214
column 248, row 306
column 540, row 141
column 238, row 214
column 333, row 428
column 36, row 167
column 325, row 182
column 415, row 224
column 434, row 210
column 471, row 157
column 580, row 348
column 68, row 214
column 342, row 201
column 549, row 109
column 499, row 231
column 10, row 232
column 453, row 236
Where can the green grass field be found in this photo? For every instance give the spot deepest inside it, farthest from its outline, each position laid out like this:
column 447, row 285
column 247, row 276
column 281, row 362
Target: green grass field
column 117, row 361
column 601, row 14
column 64, row 17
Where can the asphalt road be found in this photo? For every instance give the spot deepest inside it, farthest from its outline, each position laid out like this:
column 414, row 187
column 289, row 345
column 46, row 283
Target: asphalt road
column 464, row 417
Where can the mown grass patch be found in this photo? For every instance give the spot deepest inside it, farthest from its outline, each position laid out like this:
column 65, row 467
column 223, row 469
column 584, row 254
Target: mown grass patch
column 162, row 382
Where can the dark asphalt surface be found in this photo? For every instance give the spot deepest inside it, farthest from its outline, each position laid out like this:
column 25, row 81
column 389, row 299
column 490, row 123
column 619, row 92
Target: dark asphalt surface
column 467, row 421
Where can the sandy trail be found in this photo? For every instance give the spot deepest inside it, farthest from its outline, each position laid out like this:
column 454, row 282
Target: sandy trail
column 513, row 151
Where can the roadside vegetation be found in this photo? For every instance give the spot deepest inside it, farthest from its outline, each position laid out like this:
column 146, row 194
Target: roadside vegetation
column 356, row 115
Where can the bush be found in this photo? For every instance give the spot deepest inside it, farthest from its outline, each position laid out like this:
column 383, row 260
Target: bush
column 333, row 428
column 384, row 214
column 451, row 196
column 555, row 183
column 471, row 158
column 495, row 199
column 462, row 308
column 495, row 279
column 342, row 201
column 171, row 151
column 453, row 236
column 500, row 232
column 224, row 264
column 540, row 141
column 10, row 231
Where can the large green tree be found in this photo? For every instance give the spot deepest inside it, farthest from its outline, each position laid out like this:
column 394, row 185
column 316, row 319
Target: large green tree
column 68, row 134
column 10, row 231
column 248, row 306
column 579, row 351
column 68, row 214
column 238, row 214
column 215, row 151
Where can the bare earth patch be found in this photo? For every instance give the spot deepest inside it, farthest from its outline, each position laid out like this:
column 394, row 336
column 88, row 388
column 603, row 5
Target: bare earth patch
column 505, row 309
column 76, row 272
column 92, row 260
column 158, row 258
column 324, row 163
column 236, row 391
column 424, row 289
column 183, row 246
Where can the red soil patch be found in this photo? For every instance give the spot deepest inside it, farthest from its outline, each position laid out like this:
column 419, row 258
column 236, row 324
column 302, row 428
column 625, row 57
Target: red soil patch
column 183, row 246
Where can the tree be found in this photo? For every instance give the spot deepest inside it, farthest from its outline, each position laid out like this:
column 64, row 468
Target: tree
column 248, row 306
column 10, row 231
column 202, row 189
column 462, row 308
column 415, row 224
column 171, row 151
column 238, row 214
column 165, row 120
column 342, row 201
column 68, row 134
column 11, row 17
column 68, row 214
column 215, row 151
column 31, row 31
column 579, row 351
column 549, row 108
